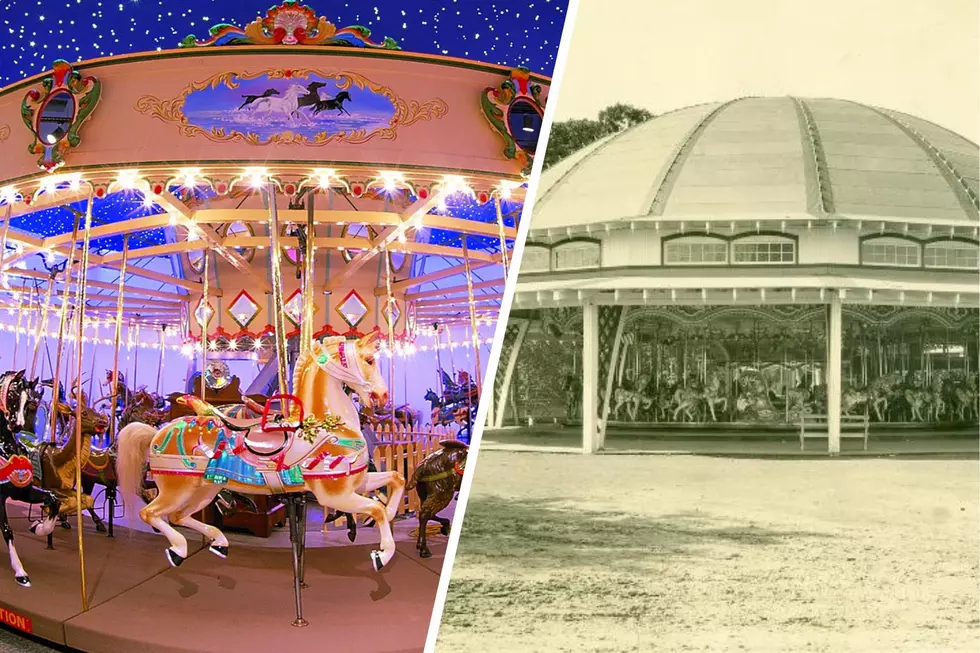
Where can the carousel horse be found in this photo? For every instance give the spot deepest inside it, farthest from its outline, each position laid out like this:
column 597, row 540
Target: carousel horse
column 685, row 401
column 436, row 480
column 632, row 400
column 19, row 401
column 54, row 466
column 118, row 387
column 571, row 386
column 965, row 397
column 404, row 415
column 797, row 401
column 712, row 394
column 143, row 408
column 193, row 458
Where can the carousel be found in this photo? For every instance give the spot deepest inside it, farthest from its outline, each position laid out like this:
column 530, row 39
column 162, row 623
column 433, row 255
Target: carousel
column 764, row 265
column 249, row 284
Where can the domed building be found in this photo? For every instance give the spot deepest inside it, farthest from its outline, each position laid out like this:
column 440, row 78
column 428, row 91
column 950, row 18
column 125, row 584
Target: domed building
column 748, row 263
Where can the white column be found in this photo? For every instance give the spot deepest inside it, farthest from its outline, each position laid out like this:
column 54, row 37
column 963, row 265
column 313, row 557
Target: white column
column 834, row 373
column 590, row 378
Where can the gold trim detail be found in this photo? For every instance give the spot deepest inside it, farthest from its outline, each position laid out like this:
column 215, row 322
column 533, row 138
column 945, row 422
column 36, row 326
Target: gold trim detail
column 407, row 112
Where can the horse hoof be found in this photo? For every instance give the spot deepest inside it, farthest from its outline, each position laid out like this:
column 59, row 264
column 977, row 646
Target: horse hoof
column 376, row 560
column 445, row 529
column 351, row 535
column 65, row 525
column 100, row 528
column 220, row 551
column 174, row 558
column 155, row 529
column 23, row 581
column 424, row 553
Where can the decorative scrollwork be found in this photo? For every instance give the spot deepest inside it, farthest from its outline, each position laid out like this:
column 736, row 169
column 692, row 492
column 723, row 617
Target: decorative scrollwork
column 4, row 132
column 39, row 106
column 499, row 103
column 290, row 23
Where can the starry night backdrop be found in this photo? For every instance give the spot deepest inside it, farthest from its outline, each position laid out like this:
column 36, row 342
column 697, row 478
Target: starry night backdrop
column 507, row 32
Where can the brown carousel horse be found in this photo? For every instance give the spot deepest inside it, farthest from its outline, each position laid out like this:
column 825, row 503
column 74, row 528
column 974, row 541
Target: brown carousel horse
column 143, row 409
column 56, row 465
column 324, row 451
column 437, row 479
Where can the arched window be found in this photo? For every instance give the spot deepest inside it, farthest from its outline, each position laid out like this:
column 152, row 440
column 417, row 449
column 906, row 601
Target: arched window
column 952, row 254
column 576, row 255
column 764, row 249
column 696, row 250
column 889, row 250
column 537, row 258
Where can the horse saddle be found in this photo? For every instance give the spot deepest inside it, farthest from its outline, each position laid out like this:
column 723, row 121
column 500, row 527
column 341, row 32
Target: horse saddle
column 257, row 441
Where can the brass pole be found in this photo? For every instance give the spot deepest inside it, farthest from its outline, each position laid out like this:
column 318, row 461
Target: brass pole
column 503, row 238
column 278, row 312
column 95, row 350
column 118, row 336
column 475, row 333
column 42, row 322
column 20, row 317
column 205, row 320
column 391, row 335
column 136, row 360
column 56, row 377
column 82, row 280
column 163, row 331
column 306, row 325
column 6, row 230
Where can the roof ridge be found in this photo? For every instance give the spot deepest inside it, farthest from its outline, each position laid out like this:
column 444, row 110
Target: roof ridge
column 963, row 193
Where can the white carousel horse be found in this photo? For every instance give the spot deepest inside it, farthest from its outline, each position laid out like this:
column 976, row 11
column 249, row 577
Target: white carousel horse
column 194, row 458
column 287, row 104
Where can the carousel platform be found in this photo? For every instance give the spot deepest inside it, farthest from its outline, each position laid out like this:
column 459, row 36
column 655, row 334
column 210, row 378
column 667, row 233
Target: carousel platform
column 137, row 602
column 714, row 441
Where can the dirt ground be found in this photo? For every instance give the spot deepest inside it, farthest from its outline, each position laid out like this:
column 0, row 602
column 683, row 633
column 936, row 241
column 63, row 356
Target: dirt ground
column 686, row 553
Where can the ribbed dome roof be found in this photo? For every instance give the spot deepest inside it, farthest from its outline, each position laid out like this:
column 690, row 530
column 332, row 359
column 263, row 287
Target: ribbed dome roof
column 764, row 157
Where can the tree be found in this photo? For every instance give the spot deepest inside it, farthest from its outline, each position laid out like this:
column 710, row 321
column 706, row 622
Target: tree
column 570, row 136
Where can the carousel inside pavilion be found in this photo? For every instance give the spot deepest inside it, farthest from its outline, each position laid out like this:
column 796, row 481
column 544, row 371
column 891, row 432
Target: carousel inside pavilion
column 764, row 266
column 248, row 289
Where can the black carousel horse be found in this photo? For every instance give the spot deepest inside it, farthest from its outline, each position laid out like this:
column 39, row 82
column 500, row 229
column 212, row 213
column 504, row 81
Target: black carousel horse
column 19, row 401
column 333, row 103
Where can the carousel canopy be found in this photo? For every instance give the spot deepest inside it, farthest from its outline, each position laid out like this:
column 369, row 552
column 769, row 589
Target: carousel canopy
column 410, row 165
column 759, row 158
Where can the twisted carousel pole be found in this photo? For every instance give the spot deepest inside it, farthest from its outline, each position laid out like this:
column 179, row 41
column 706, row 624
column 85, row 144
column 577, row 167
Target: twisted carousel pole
column 163, row 346
column 295, row 503
column 205, row 320
column 56, row 377
column 389, row 308
column 474, row 333
column 82, row 280
column 309, row 269
column 503, row 238
column 118, row 336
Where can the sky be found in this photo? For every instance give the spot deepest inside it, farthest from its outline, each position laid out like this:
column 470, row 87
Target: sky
column 922, row 58
column 33, row 33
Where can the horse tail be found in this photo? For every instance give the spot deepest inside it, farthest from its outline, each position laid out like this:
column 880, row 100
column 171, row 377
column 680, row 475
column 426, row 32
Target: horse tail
column 134, row 449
